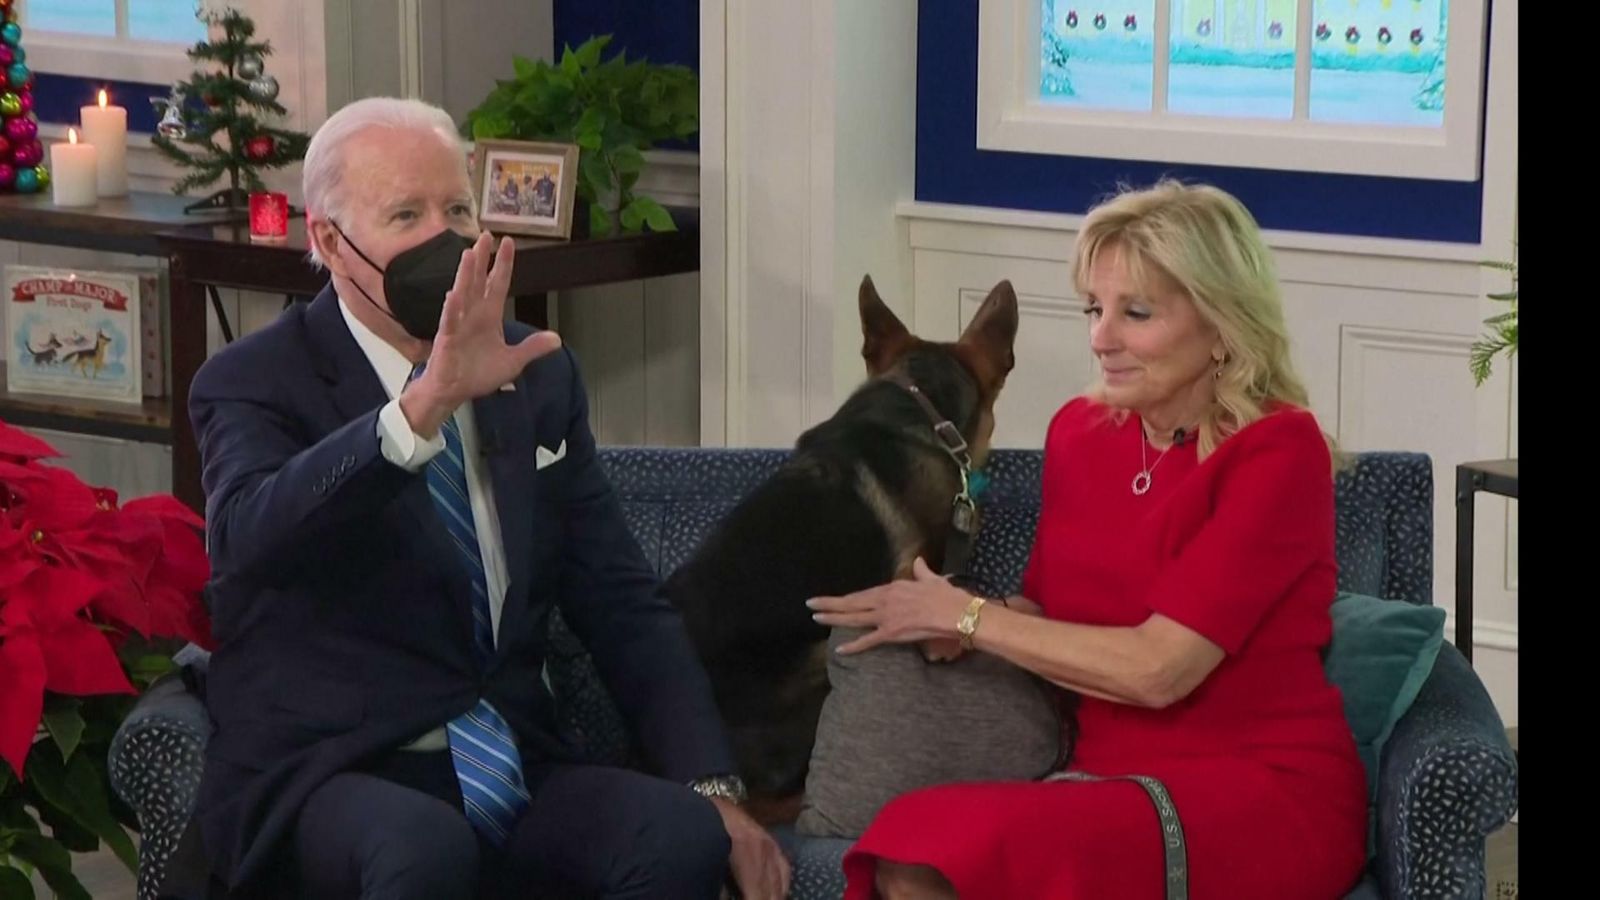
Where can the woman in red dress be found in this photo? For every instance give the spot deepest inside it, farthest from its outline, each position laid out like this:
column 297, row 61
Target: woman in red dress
column 1184, row 568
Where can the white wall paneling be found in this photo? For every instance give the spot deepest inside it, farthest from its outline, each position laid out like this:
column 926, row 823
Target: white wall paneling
column 800, row 172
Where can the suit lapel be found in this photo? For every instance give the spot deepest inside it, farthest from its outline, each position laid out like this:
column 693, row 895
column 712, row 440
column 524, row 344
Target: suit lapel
column 356, row 388
column 357, row 392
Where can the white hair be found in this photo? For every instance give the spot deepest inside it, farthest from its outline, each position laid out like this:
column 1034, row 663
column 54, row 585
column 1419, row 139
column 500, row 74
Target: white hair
column 322, row 173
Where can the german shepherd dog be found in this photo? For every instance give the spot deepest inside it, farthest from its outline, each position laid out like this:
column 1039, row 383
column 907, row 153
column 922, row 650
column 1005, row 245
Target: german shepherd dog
column 864, row 494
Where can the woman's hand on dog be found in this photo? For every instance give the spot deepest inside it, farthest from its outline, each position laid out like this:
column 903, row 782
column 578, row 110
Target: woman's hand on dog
column 924, row 608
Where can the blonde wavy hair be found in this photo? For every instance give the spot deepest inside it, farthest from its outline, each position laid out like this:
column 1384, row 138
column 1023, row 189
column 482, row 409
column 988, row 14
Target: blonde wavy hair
column 1204, row 241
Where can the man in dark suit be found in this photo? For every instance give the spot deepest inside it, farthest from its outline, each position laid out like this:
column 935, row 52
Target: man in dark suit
column 400, row 488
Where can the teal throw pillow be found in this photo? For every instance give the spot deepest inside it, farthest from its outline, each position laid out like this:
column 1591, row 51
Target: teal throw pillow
column 1382, row 652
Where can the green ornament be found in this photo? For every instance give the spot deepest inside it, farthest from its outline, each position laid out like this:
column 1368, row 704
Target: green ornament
column 42, row 175
column 10, row 103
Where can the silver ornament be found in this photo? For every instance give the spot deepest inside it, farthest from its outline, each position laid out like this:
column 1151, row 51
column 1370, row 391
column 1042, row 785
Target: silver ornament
column 264, row 88
column 171, row 124
column 251, row 66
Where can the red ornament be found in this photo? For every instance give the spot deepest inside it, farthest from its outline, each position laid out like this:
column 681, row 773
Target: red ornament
column 5, row 147
column 258, row 147
column 28, row 153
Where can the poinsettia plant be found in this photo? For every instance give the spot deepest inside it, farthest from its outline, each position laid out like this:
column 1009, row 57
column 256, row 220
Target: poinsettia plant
column 95, row 595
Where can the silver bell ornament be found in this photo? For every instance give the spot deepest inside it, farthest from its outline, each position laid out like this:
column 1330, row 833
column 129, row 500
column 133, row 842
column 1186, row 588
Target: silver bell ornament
column 251, row 66
column 172, row 124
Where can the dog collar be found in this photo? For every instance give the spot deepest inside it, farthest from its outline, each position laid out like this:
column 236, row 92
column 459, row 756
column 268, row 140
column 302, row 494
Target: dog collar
column 963, row 510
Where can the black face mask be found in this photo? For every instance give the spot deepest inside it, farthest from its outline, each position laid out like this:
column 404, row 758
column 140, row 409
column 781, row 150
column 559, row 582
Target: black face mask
column 417, row 280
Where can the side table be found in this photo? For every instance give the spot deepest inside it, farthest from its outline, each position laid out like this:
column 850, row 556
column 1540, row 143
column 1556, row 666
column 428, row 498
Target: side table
column 1496, row 476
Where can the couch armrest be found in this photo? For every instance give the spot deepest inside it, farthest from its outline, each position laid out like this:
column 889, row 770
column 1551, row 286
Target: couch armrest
column 155, row 762
column 1448, row 778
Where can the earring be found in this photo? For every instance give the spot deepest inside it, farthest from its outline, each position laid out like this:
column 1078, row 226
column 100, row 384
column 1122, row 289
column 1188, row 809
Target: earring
column 1218, row 373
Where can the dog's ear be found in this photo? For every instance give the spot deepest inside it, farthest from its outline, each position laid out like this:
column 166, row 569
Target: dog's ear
column 883, row 336
column 993, row 329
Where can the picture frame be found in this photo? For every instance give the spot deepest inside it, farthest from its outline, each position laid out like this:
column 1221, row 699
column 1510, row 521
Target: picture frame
column 525, row 187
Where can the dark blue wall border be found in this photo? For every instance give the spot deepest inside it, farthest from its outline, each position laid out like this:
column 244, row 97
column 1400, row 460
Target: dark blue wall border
column 662, row 31
column 56, row 98
column 951, row 168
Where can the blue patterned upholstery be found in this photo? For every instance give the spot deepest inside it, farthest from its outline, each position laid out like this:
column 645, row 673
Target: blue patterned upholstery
column 1384, row 527
column 155, row 762
column 1448, row 777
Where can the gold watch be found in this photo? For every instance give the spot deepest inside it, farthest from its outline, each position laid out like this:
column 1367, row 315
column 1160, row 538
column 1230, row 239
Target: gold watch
column 969, row 622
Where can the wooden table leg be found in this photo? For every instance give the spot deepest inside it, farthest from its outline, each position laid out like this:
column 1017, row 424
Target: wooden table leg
column 187, row 332
column 532, row 309
column 1466, row 487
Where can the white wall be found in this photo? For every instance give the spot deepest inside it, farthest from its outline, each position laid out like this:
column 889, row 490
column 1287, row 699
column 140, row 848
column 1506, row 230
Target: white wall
column 808, row 116
column 874, row 156
column 430, row 49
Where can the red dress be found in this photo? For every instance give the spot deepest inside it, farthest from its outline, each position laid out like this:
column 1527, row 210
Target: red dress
column 1259, row 759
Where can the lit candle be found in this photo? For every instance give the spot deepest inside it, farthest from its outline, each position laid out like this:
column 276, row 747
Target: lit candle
column 106, row 127
column 72, row 172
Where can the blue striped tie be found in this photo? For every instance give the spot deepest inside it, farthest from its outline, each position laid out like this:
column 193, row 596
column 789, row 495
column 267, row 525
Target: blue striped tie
column 487, row 764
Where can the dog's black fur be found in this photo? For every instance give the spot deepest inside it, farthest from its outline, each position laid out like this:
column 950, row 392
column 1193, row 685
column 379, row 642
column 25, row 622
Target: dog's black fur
column 820, row 526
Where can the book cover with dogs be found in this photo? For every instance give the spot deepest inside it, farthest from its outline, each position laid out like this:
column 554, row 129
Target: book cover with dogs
column 72, row 333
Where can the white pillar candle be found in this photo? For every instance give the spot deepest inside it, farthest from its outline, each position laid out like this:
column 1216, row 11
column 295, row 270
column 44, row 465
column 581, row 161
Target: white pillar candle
column 106, row 127
column 73, row 172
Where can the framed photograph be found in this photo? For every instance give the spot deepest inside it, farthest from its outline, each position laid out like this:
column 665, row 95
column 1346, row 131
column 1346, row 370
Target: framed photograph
column 525, row 187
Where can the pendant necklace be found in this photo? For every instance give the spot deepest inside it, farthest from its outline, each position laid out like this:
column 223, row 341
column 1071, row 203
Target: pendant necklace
column 1141, row 481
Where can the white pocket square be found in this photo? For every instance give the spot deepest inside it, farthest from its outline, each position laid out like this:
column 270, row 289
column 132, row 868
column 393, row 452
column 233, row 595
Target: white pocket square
column 543, row 457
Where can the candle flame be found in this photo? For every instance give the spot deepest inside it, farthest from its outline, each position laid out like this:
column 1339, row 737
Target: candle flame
column 102, row 98
column 72, row 135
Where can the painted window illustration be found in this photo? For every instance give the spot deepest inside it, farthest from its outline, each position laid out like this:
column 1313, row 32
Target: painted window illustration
column 1368, row 62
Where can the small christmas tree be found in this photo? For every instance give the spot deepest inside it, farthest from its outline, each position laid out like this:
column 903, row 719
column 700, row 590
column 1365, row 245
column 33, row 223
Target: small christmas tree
column 21, row 155
column 226, row 135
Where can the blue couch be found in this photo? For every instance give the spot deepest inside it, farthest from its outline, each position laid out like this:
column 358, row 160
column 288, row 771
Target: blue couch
column 1448, row 777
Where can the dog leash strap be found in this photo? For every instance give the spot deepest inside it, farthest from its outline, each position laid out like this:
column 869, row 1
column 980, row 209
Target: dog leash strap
column 1172, row 840
column 964, row 513
column 949, row 435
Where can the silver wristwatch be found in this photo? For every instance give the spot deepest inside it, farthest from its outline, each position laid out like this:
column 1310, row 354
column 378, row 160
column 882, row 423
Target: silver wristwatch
column 728, row 787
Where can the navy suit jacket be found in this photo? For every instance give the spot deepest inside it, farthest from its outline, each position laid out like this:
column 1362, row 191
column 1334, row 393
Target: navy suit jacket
column 342, row 611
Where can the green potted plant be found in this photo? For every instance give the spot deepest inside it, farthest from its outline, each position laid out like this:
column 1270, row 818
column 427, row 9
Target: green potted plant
column 613, row 110
column 1502, row 328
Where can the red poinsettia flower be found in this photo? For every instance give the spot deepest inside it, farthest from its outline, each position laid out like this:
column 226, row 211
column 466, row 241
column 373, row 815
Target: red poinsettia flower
column 78, row 575
column 22, row 446
column 180, row 573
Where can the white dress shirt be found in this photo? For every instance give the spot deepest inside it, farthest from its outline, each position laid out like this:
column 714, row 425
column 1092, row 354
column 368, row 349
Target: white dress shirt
column 409, row 450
